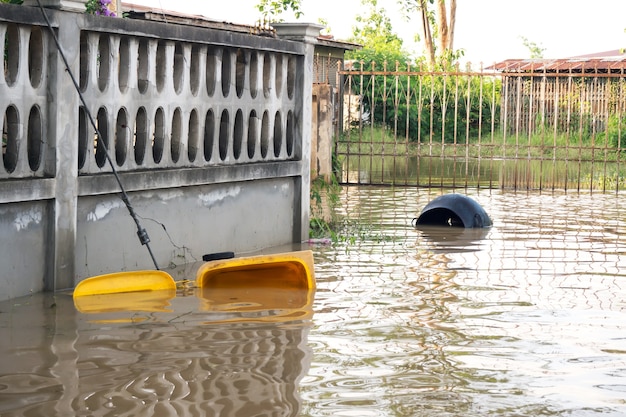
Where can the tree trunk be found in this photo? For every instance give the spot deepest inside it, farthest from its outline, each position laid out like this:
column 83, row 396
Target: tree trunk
column 452, row 24
column 428, row 38
column 442, row 18
column 445, row 21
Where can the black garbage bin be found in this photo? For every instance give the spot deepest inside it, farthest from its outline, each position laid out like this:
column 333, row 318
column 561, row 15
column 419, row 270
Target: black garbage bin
column 453, row 210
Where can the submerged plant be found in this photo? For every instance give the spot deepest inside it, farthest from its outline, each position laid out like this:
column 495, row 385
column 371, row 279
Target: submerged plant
column 324, row 200
column 327, row 225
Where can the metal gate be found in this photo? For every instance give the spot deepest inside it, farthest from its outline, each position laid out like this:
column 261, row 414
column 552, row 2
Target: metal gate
column 533, row 127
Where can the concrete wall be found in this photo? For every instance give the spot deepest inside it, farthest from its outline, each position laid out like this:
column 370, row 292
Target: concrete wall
column 208, row 130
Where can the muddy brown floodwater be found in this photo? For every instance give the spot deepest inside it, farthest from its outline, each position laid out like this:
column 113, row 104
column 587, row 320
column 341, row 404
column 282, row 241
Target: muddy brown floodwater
column 526, row 318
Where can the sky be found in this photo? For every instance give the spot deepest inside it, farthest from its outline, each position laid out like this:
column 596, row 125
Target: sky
column 488, row 31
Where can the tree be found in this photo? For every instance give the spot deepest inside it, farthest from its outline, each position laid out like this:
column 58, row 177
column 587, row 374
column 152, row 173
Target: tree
column 415, row 110
column 535, row 50
column 438, row 20
column 375, row 32
column 271, row 9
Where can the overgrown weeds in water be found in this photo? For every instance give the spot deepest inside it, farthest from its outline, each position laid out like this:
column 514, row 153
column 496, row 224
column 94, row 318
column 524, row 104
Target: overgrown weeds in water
column 608, row 181
column 326, row 223
column 542, row 144
column 324, row 201
column 351, row 231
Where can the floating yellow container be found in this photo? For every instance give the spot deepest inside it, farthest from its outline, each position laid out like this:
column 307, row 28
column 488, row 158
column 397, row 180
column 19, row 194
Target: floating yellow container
column 265, row 288
column 128, row 281
column 287, row 271
column 277, row 287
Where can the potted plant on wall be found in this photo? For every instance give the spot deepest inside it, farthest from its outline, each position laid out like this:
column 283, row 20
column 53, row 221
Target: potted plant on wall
column 109, row 8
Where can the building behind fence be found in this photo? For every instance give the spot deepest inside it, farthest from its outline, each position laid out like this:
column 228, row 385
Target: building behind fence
column 568, row 94
column 327, row 106
column 208, row 127
column 536, row 124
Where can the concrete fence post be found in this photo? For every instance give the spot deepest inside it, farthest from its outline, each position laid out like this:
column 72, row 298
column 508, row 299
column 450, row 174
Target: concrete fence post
column 322, row 133
column 307, row 33
column 62, row 133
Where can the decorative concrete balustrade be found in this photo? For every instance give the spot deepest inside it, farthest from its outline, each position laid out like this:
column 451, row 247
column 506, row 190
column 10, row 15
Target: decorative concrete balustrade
column 209, row 130
column 190, row 109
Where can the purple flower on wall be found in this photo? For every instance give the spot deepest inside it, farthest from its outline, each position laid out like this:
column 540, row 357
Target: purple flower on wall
column 99, row 7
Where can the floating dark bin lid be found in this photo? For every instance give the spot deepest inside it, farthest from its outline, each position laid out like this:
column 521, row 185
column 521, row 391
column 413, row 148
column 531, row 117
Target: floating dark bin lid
column 454, row 210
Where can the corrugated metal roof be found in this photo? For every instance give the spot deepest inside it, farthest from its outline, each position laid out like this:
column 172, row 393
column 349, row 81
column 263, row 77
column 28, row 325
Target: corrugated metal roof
column 330, row 41
column 611, row 61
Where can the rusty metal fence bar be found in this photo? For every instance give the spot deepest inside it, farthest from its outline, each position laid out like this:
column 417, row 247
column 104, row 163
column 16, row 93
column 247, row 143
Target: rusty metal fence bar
column 484, row 128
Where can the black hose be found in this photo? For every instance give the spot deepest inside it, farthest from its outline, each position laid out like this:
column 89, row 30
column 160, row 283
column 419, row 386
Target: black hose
column 141, row 232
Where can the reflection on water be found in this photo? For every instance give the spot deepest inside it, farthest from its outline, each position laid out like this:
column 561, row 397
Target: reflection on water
column 452, row 239
column 525, row 318
column 186, row 359
column 459, row 171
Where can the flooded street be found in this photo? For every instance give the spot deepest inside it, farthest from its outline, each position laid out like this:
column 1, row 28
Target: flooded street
column 526, row 318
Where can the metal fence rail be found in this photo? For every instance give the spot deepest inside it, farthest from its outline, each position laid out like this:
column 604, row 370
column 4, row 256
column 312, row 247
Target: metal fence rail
column 521, row 130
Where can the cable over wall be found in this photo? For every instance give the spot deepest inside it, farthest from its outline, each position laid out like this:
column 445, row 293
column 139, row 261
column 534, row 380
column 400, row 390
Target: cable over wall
column 181, row 110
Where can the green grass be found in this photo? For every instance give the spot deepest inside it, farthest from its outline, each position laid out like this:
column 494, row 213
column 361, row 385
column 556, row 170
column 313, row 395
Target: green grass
column 545, row 145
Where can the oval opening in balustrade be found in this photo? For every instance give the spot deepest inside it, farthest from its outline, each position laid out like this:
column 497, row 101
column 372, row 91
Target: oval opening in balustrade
column 209, row 135
column 141, row 135
column 83, row 74
column 226, row 64
column 35, row 56
column 121, row 137
column 211, row 70
column 278, row 134
column 123, row 67
column 194, row 69
column 11, row 54
column 179, row 67
column 10, row 131
column 158, row 135
column 161, row 63
column 177, row 132
column 240, row 72
column 291, row 76
column 238, row 134
column 223, row 139
column 83, row 137
column 279, row 75
column 103, row 61
column 193, row 133
column 143, row 66
column 290, row 133
column 254, row 73
column 267, row 74
column 253, row 123
column 34, row 141
column 101, row 144
column 265, row 134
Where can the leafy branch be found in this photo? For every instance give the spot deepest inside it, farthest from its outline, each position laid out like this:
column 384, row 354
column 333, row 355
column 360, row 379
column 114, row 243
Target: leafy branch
column 271, row 9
